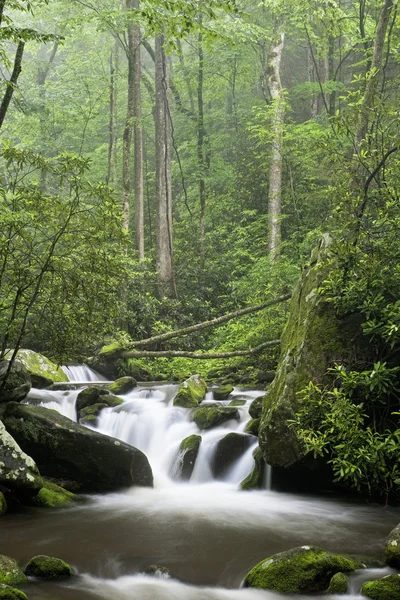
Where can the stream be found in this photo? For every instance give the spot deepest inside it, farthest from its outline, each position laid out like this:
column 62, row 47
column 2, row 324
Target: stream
column 206, row 532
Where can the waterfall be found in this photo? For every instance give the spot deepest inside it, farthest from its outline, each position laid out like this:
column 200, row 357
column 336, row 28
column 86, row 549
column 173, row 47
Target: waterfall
column 82, row 374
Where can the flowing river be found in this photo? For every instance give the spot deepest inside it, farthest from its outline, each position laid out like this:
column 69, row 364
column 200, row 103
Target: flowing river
column 206, row 532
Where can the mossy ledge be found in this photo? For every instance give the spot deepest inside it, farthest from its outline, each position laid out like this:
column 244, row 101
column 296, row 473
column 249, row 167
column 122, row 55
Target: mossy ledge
column 387, row 588
column 10, row 593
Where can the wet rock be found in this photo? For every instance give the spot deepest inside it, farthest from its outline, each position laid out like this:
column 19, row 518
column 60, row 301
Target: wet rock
column 122, row 386
column 392, row 548
column 43, row 371
column 228, row 451
column 188, row 451
column 90, row 413
column 237, row 402
column 53, row 496
column 338, row 584
column 223, row 392
column 157, row 571
column 191, row 392
column 10, row 573
column 10, row 593
column 255, row 481
column 387, row 588
column 18, row 471
column 48, row 567
column 302, row 570
column 18, row 382
column 64, row 449
column 253, row 426
column 89, row 396
column 3, row 504
column 212, row 415
column 255, row 408
column 265, row 376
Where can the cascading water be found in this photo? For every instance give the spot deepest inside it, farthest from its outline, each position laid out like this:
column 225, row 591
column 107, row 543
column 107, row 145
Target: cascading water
column 206, row 531
column 82, row 374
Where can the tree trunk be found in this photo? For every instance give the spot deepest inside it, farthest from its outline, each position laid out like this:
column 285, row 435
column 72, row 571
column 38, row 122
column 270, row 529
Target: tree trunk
column 17, row 68
column 165, row 274
column 275, row 170
column 200, row 151
column 111, row 123
column 138, row 142
column 199, row 355
column 130, row 114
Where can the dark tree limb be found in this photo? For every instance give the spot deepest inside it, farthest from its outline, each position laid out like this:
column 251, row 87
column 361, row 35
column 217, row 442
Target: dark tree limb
column 205, row 324
column 205, row 356
column 12, row 82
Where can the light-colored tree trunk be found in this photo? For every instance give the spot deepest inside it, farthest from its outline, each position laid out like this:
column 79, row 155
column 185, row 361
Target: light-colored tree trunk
column 165, row 273
column 202, row 162
column 111, row 123
column 130, row 114
column 138, row 143
column 275, row 169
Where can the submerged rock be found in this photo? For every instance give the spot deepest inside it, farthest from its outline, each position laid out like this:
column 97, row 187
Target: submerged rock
column 17, row 470
column 387, row 588
column 10, row 593
column 212, row 415
column 43, row 372
column 338, row 584
column 48, row 567
column 392, row 548
column 123, row 385
column 302, row 570
column 188, row 451
column 255, row 481
column 18, row 383
column 191, row 392
column 223, row 392
column 157, row 571
column 53, row 496
column 237, row 402
column 228, row 451
column 10, row 573
column 64, row 449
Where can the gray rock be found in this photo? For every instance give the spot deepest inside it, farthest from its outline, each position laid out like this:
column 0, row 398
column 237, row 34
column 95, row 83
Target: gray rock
column 17, row 469
column 18, row 382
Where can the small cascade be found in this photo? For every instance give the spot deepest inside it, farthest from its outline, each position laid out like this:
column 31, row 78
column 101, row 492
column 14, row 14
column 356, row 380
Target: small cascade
column 82, row 374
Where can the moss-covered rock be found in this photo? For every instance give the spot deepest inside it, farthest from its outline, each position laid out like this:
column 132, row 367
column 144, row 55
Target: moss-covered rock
column 10, row 573
column 188, row 451
column 255, row 481
column 387, row 588
column 312, row 340
column 191, row 392
column 237, row 402
column 302, row 570
column 122, row 386
column 255, row 408
column 212, row 415
column 64, row 449
column 338, row 584
column 392, row 548
column 43, row 372
column 253, row 426
column 48, row 567
column 3, row 504
column 89, row 396
column 91, row 401
column 53, row 496
column 228, row 451
column 10, row 593
column 223, row 392
column 18, row 471
column 18, row 383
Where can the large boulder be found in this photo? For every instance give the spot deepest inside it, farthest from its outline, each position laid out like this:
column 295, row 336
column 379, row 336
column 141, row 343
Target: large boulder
column 228, row 450
column 392, row 548
column 64, row 449
column 188, row 451
column 43, row 372
column 387, row 588
column 48, row 567
column 313, row 339
column 9, row 593
column 123, row 385
column 18, row 383
column 212, row 415
column 18, row 471
column 302, row 570
column 191, row 392
column 10, row 573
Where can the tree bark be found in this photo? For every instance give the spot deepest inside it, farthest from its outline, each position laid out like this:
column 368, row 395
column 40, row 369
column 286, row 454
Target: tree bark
column 138, row 143
column 205, row 356
column 200, row 151
column 17, row 68
column 111, row 124
column 165, row 273
column 275, row 170
column 130, row 114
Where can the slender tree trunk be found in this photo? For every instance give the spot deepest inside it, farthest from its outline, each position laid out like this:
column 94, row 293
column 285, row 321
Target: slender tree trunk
column 111, row 124
column 130, row 114
column 311, row 79
column 138, row 142
column 165, row 273
column 275, row 170
column 200, row 151
column 11, row 84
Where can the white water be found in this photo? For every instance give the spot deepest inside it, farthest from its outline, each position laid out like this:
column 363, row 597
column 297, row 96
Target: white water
column 82, row 374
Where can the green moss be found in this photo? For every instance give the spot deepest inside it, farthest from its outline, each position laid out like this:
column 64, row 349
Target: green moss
column 299, row 571
column 188, row 451
column 10, row 573
column 392, row 548
column 338, row 584
column 387, row 588
column 190, row 443
column 213, row 415
column 113, row 348
column 223, row 392
column 123, row 385
column 237, row 403
column 3, row 504
column 52, row 496
column 10, row 593
column 255, row 408
column 255, row 480
column 191, row 392
column 42, row 371
column 48, row 567
column 253, row 426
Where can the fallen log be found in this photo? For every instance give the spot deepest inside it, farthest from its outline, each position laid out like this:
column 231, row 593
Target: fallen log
column 182, row 353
